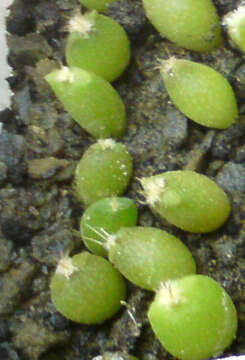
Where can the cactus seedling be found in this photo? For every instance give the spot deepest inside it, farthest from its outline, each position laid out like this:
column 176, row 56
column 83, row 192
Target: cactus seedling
column 104, row 171
column 148, row 256
column 188, row 200
column 87, row 289
column 109, row 214
column 92, row 101
column 193, row 317
column 99, row 5
column 98, row 44
column 192, row 24
column 200, row 92
column 235, row 24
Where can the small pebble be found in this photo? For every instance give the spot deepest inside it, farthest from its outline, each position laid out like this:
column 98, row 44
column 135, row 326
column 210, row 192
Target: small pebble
column 46, row 168
column 232, row 177
column 175, row 131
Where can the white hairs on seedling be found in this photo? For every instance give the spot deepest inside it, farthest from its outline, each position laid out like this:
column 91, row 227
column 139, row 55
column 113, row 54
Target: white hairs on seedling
column 170, row 294
column 65, row 267
column 108, row 239
column 152, row 189
column 106, row 143
column 234, row 19
column 82, row 24
column 65, row 75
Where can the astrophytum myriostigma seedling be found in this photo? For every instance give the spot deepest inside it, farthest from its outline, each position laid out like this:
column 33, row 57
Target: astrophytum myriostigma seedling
column 106, row 216
column 98, row 44
column 148, row 256
column 188, row 200
column 235, row 24
column 99, row 5
column 193, row 317
column 200, row 92
column 104, row 171
column 192, row 24
column 91, row 101
column 87, row 289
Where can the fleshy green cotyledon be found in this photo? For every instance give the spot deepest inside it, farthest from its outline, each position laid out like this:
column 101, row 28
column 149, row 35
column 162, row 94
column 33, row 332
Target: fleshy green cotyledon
column 98, row 44
column 104, row 170
column 189, row 200
column 193, row 317
column 87, row 289
column 200, row 92
column 91, row 100
column 192, row 24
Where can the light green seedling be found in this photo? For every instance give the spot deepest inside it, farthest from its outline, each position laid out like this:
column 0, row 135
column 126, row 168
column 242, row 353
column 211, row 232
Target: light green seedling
column 87, row 289
column 98, row 44
column 188, row 200
column 193, row 317
column 200, row 92
column 192, row 24
column 105, row 170
column 92, row 101
column 235, row 24
column 99, row 5
column 147, row 256
column 106, row 215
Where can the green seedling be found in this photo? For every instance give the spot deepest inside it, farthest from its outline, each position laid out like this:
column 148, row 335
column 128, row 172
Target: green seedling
column 105, row 170
column 147, row 256
column 234, row 21
column 87, row 289
column 188, row 200
column 99, row 5
column 193, row 317
column 98, row 44
column 108, row 214
column 92, row 101
column 192, row 24
column 200, row 92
